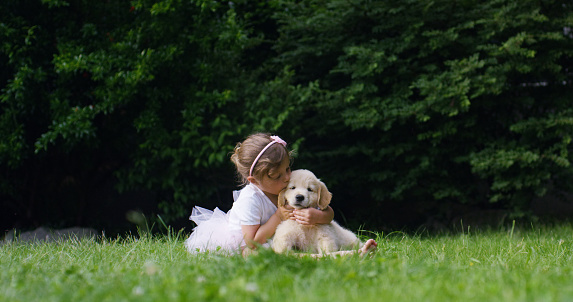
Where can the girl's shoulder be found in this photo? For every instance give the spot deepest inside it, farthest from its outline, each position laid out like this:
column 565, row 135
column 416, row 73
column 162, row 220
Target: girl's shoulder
column 251, row 207
column 252, row 199
column 247, row 194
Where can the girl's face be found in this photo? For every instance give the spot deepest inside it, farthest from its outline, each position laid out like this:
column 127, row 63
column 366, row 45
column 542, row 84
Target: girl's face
column 276, row 180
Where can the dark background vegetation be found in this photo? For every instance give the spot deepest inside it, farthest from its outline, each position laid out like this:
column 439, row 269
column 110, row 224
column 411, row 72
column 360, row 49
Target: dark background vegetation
column 413, row 112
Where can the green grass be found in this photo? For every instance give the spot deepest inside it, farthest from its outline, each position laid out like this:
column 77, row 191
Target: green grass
column 510, row 265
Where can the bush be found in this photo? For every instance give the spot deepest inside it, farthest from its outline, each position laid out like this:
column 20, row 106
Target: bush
column 142, row 92
column 413, row 105
column 434, row 103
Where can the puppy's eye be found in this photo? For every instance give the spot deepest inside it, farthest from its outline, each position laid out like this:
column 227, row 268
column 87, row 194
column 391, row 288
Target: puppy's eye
column 309, row 189
column 293, row 187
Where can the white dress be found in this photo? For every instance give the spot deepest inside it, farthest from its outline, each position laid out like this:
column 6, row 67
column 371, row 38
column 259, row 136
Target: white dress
column 218, row 231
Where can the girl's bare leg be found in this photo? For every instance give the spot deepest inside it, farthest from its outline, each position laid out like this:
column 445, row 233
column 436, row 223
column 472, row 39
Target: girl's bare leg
column 368, row 247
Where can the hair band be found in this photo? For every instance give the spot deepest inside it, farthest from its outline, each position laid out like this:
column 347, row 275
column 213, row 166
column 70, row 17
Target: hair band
column 274, row 139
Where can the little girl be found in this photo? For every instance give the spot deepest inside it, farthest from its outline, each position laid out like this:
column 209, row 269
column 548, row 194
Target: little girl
column 263, row 165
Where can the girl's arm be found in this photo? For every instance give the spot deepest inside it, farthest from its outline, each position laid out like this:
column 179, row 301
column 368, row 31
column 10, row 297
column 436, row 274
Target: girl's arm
column 312, row 216
column 258, row 234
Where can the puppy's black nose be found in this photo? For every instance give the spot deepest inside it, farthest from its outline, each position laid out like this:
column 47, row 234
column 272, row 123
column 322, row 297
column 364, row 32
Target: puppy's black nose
column 299, row 198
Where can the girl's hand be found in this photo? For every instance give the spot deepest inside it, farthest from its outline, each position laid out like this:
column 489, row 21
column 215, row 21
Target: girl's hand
column 286, row 212
column 313, row 216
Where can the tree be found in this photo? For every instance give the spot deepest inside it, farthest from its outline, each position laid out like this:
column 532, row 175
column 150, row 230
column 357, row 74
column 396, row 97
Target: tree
column 411, row 104
column 143, row 92
column 434, row 103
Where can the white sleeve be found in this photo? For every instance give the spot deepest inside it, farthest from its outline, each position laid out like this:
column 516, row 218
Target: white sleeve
column 248, row 210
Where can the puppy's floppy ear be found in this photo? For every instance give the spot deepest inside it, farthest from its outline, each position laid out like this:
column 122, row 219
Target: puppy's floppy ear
column 281, row 202
column 324, row 196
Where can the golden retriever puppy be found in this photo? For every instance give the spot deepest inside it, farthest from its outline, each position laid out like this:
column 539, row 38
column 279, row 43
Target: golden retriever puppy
column 304, row 190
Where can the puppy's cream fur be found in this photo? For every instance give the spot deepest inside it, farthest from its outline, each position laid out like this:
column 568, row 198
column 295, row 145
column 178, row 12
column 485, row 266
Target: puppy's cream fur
column 304, row 190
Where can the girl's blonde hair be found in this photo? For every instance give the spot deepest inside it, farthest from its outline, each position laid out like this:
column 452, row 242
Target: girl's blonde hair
column 246, row 152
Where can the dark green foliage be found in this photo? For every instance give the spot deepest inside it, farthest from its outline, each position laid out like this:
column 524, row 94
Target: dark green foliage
column 142, row 91
column 412, row 103
column 442, row 101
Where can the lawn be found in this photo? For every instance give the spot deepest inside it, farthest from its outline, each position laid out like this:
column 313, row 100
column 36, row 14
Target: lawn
column 527, row 264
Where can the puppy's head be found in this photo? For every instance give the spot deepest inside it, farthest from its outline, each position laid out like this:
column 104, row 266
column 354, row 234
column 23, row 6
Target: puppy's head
column 304, row 190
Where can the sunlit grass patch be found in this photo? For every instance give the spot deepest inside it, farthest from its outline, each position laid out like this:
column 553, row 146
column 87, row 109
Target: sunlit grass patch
column 507, row 265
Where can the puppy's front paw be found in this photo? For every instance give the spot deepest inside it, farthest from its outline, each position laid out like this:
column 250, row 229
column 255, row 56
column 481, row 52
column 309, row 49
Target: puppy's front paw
column 279, row 245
